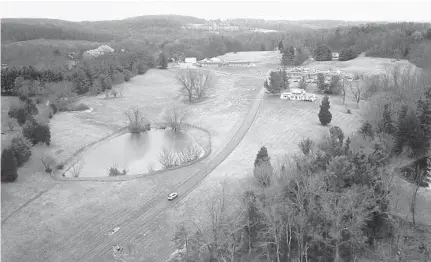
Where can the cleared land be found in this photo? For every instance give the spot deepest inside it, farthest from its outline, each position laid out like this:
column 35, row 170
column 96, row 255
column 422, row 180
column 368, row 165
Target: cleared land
column 85, row 205
column 67, row 221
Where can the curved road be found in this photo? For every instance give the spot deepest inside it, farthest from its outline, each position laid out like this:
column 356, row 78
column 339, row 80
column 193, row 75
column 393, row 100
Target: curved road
column 103, row 245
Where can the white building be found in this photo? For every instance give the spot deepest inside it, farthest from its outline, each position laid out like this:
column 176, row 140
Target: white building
column 298, row 94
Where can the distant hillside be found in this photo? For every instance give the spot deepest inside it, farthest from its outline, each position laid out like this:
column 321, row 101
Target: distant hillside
column 17, row 29
column 42, row 52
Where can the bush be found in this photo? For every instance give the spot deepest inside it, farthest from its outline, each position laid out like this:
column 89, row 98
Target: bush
column 306, row 145
column 114, row 171
column 37, row 132
column 367, row 129
column 189, row 154
column 9, row 167
column 127, row 75
column 168, row 158
column 21, row 148
column 78, row 107
column 53, row 107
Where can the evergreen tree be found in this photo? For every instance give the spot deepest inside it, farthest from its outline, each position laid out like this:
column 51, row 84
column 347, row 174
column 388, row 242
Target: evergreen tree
column 321, row 85
column 401, row 132
column 262, row 156
column 274, row 84
column 334, row 87
column 280, row 46
column 163, row 61
column 288, row 57
column 284, row 77
column 387, row 125
column 322, row 53
column 9, row 169
column 303, row 83
column 424, row 112
column 325, row 115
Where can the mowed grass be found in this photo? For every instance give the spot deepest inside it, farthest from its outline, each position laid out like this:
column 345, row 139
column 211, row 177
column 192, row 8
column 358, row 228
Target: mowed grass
column 45, row 223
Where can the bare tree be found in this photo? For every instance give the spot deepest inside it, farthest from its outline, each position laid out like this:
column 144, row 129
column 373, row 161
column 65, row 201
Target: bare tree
column 77, row 168
column 195, row 83
column 47, row 161
column 137, row 122
column 175, row 117
column 343, row 90
column 168, row 158
column 357, row 92
column 418, row 175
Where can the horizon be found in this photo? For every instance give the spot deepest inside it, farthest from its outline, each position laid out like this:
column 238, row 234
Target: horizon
column 79, row 11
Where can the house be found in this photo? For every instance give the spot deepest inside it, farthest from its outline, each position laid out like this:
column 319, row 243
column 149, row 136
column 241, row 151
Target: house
column 190, row 60
column 186, row 65
column 335, row 56
column 298, row 94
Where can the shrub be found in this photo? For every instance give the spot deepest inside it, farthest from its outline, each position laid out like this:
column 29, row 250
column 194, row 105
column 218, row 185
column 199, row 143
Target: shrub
column 325, row 115
column 114, row 171
column 367, row 129
column 76, row 169
column 9, row 167
column 189, row 154
column 306, row 145
column 21, row 148
column 53, row 107
column 48, row 161
column 151, row 168
column 168, row 158
column 127, row 75
column 348, row 54
column 78, row 107
column 37, row 132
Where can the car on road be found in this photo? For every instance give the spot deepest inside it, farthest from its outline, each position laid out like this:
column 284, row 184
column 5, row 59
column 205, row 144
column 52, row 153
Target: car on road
column 172, row 196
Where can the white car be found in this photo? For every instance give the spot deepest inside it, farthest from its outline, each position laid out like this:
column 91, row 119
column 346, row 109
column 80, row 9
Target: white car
column 172, row 196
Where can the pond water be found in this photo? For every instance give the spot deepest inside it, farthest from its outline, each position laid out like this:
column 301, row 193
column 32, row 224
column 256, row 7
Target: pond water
column 133, row 152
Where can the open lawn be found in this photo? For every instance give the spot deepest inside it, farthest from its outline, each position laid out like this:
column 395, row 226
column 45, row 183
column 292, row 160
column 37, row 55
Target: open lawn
column 85, row 204
column 72, row 215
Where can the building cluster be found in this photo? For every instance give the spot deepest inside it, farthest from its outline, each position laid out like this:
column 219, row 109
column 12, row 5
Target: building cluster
column 296, row 73
column 191, row 62
column 103, row 49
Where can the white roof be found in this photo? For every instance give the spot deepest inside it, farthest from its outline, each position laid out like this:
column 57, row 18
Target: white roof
column 297, row 90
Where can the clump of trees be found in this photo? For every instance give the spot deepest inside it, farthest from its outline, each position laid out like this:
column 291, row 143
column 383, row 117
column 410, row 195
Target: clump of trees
column 195, row 83
column 293, row 56
column 325, row 115
column 322, row 53
column 348, row 53
column 276, row 81
column 327, row 205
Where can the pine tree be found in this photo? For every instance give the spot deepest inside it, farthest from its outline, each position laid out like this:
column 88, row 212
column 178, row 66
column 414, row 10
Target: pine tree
column 325, row 115
column 9, row 169
column 321, row 85
column 303, row 83
column 280, row 46
column 288, row 57
column 284, row 77
column 322, row 53
column 401, row 133
column 163, row 61
column 262, row 156
column 387, row 125
column 424, row 112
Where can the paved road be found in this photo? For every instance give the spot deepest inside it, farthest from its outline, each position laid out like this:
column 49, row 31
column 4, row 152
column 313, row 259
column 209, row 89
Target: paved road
column 103, row 244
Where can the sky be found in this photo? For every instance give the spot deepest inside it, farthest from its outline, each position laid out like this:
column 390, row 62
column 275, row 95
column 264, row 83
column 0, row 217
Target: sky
column 380, row 10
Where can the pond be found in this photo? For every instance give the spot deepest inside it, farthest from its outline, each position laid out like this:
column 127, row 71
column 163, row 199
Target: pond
column 136, row 153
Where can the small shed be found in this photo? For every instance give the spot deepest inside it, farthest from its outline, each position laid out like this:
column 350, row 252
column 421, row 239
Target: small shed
column 190, row 60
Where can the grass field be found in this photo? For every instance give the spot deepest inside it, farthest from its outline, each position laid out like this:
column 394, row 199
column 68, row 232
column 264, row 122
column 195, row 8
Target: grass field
column 45, row 223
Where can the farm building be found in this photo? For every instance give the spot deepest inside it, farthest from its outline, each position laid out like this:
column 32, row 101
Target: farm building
column 189, row 62
column 335, row 56
column 297, row 94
